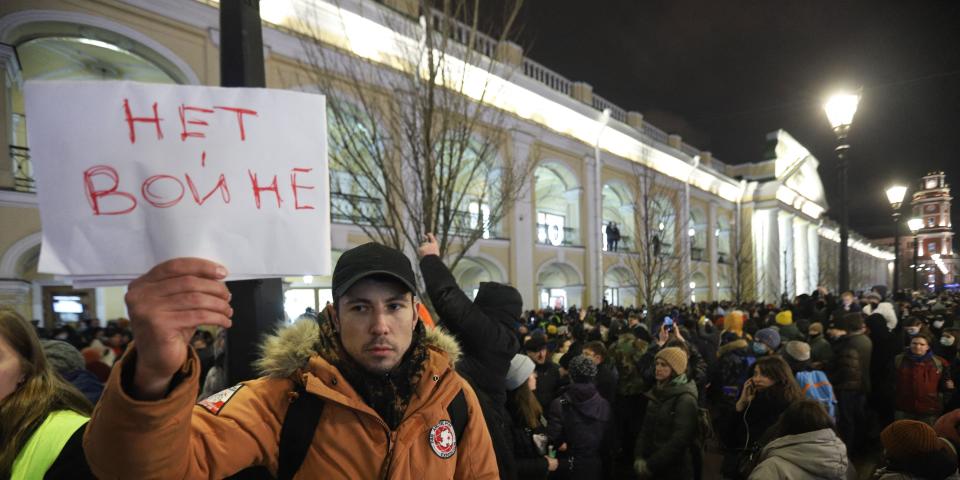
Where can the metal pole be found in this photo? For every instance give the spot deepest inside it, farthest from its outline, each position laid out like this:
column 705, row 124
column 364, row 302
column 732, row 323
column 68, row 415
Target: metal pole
column 896, row 254
column 915, row 260
column 257, row 304
column 844, row 234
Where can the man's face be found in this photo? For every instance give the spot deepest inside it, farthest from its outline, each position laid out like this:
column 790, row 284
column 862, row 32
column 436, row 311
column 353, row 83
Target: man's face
column 538, row 356
column 376, row 320
column 847, row 299
column 597, row 359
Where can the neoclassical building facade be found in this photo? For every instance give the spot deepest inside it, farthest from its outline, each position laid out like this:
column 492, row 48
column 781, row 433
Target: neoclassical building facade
column 761, row 219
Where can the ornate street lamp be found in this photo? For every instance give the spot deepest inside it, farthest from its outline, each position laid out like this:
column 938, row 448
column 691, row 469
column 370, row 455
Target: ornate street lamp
column 915, row 224
column 895, row 195
column 840, row 109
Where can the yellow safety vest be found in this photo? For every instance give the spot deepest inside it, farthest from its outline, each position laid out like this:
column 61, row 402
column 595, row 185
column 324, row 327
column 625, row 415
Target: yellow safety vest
column 44, row 446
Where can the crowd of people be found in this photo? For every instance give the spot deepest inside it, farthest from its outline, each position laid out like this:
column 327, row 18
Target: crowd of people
column 800, row 389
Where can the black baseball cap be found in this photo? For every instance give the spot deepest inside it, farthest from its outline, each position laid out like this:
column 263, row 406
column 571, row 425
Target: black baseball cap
column 371, row 259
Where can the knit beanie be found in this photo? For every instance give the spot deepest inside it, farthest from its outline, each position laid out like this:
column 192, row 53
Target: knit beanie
column 734, row 321
column 675, row 357
column 784, row 318
column 797, row 350
column 62, row 356
column 904, row 439
column 520, row 369
column 582, row 369
column 768, row 336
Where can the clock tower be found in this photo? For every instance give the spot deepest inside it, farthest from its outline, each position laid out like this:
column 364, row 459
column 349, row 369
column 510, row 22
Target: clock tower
column 931, row 203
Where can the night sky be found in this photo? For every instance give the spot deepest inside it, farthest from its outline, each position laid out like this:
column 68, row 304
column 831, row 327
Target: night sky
column 724, row 73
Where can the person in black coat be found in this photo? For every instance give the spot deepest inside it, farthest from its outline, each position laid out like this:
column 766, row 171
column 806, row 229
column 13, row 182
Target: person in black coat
column 548, row 373
column 527, row 425
column 578, row 424
column 484, row 328
column 607, row 375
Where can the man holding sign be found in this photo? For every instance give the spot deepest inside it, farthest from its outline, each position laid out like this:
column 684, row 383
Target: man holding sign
column 381, row 392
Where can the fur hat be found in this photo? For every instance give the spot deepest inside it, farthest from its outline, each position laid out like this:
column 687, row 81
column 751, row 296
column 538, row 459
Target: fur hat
column 904, row 439
column 784, row 318
column 871, row 295
column 520, row 369
column 816, row 328
column 582, row 369
column 62, row 356
column 768, row 336
column 797, row 350
column 675, row 357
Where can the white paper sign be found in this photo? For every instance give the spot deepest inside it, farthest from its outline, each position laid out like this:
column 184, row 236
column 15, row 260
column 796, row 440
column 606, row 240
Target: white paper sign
column 132, row 174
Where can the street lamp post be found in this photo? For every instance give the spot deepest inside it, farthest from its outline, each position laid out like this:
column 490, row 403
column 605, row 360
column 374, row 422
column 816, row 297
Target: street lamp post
column 915, row 224
column 895, row 195
column 840, row 109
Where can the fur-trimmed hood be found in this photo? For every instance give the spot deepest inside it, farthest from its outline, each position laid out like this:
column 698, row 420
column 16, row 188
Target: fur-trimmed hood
column 290, row 348
column 732, row 346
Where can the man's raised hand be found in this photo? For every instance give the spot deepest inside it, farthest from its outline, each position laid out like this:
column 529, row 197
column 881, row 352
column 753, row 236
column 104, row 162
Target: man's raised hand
column 166, row 306
column 430, row 247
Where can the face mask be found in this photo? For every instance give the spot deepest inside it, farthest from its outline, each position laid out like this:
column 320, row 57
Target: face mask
column 947, row 341
column 912, row 330
column 938, row 324
column 759, row 348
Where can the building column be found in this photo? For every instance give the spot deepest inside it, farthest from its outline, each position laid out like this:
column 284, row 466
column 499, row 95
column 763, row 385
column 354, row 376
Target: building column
column 766, row 240
column 590, row 231
column 813, row 257
column 785, row 224
column 10, row 72
column 523, row 228
column 800, row 256
column 683, row 289
column 712, row 249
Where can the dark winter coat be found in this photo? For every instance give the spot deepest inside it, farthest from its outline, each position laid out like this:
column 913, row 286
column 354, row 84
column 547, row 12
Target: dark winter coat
column 529, row 460
column 580, row 418
column 846, row 373
column 821, row 353
column 607, row 380
column 488, row 344
column 735, row 360
column 87, row 383
column 669, row 431
column 548, row 382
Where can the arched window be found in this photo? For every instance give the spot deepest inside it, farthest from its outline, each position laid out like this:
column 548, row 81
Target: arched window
column 664, row 224
column 697, row 234
column 618, row 213
column 723, row 234
column 558, row 205
column 357, row 159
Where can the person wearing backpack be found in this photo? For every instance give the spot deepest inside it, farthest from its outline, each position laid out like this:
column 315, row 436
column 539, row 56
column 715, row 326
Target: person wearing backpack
column 578, row 424
column 376, row 391
column 669, row 434
column 813, row 383
column 920, row 377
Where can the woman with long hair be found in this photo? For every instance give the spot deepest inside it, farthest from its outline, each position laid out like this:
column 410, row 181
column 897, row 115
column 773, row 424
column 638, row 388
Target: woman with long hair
column 527, row 426
column 804, row 431
column 41, row 415
column 764, row 396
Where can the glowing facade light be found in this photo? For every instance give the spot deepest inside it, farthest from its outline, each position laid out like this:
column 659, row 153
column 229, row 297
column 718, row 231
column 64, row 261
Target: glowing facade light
column 915, row 224
column 840, row 108
column 308, row 279
column 691, row 232
column 895, row 195
column 693, row 284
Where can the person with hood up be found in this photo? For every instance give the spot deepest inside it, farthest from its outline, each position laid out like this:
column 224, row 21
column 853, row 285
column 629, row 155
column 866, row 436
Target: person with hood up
column 805, row 445
column 785, row 326
column 821, row 354
column 733, row 327
column 886, row 346
column 885, row 309
column 578, row 424
column 850, row 376
column 527, row 425
column 484, row 328
column 913, row 451
column 664, row 447
column 389, row 393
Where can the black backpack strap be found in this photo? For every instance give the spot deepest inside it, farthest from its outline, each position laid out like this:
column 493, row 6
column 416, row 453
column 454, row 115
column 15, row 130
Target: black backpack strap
column 296, row 435
column 457, row 410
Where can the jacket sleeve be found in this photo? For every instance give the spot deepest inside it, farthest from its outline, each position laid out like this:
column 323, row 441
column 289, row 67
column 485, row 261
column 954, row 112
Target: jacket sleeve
column 555, row 422
column 681, row 437
column 477, row 333
column 475, row 457
column 173, row 438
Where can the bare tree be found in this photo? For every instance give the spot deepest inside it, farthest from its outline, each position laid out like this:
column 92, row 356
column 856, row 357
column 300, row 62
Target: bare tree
column 657, row 264
column 415, row 145
column 745, row 277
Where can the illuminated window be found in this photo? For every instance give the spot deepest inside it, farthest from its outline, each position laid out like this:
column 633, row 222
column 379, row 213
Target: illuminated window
column 550, row 228
column 480, row 217
column 553, row 298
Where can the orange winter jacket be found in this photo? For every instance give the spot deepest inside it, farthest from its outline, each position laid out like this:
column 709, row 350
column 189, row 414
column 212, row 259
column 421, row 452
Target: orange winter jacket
column 173, row 438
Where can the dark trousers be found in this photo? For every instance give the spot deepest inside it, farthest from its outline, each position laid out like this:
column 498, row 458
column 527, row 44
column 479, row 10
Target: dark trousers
column 851, row 419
